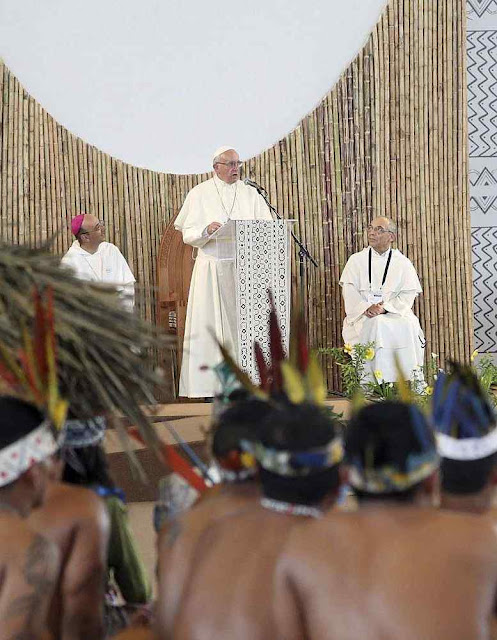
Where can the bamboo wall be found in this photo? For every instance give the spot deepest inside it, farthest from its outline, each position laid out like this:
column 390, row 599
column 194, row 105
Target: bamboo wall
column 388, row 139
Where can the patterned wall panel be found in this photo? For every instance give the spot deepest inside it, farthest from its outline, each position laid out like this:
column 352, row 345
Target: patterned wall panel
column 482, row 129
column 485, row 288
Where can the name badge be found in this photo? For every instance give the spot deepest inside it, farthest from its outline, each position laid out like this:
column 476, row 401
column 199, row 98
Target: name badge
column 375, row 298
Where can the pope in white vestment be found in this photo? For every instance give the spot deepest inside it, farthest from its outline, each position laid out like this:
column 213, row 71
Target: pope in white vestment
column 211, row 300
column 93, row 259
column 379, row 286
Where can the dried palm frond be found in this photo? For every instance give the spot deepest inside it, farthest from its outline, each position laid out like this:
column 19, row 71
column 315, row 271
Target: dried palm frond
column 104, row 352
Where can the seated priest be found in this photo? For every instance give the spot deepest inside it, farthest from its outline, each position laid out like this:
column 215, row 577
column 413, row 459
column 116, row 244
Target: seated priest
column 379, row 286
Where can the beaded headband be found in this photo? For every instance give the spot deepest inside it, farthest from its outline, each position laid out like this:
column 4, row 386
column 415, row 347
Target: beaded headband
column 18, row 457
column 296, row 463
column 389, row 479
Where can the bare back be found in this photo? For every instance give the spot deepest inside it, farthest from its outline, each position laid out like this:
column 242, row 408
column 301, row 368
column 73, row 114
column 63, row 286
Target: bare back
column 389, row 573
column 229, row 591
column 75, row 519
column 29, row 565
column 179, row 538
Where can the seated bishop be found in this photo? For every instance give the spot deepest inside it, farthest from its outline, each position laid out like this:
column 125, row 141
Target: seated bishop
column 379, row 286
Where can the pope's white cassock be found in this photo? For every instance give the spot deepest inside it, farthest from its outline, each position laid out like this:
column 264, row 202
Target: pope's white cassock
column 211, row 300
column 107, row 265
column 396, row 332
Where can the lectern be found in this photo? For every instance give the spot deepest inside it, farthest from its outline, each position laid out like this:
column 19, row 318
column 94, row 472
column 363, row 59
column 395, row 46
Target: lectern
column 254, row 257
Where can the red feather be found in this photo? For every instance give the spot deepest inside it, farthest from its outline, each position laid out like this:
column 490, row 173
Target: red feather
column 9, row 378
column 174, row 461
column 31, row 377
column 262, row 367
column 276, row 347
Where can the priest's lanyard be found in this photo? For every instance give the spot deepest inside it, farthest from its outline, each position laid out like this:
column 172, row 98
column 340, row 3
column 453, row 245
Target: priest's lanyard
column 386, row 268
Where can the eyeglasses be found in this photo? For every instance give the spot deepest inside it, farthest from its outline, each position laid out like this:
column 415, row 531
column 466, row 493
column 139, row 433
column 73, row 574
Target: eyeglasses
column 97, row 227
column 231, row 165
column 379, row 230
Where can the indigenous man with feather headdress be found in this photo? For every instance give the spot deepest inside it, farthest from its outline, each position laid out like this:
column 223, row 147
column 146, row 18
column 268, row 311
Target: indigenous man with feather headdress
column 81, row 340
column 222, row 586
column 29, row 563
column 396, row 568
column 207, row 207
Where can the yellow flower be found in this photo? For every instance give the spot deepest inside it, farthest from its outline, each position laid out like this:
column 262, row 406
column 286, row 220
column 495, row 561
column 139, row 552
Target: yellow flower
column 247, row 460
column 369, row 353
column 378, row 375
column 474, row 354
column 348, row 348
column 429, row 391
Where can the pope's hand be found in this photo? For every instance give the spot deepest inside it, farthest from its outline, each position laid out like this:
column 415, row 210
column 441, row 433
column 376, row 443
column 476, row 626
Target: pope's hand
column 214, row 226
column 374, row 310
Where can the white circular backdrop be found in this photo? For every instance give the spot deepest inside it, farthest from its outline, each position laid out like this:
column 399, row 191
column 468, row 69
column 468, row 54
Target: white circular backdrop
column 162, row 83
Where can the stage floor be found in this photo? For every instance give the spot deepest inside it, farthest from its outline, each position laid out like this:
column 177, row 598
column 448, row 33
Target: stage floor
column 191, row 421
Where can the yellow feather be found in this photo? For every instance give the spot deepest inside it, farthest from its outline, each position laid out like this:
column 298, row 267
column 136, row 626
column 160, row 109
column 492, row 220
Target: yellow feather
column 293, row 383
column 59, row 413
column 51, row 383
column 315, row 381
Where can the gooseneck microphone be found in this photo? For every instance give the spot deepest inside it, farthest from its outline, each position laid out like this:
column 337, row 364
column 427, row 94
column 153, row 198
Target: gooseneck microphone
column 251, row 183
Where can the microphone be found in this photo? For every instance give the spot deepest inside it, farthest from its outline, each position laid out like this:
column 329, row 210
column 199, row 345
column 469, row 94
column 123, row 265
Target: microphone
column 256, row 186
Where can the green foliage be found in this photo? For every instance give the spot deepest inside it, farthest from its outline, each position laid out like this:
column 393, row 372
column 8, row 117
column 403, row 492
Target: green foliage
column 351, row 360
column 487, row 373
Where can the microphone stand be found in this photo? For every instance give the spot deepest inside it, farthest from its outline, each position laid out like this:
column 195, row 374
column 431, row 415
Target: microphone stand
column 303, row 251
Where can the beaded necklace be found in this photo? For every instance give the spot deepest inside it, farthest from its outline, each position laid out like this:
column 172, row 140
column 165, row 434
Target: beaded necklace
column 290, row 509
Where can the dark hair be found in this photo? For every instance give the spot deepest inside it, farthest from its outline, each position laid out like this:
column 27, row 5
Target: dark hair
column 391, row 432
column 298, row 428
column 241, row 421
column 87, row 466
column 17, row 419
column 464, row 477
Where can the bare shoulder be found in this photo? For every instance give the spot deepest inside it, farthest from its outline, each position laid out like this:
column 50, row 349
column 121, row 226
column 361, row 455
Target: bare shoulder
column 77, row 503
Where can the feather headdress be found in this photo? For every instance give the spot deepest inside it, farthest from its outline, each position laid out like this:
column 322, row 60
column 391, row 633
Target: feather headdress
column 104, row 353
column 296, row 378
column 31, row 373
column 286, row 380
column 395, row 476
column 463, row 415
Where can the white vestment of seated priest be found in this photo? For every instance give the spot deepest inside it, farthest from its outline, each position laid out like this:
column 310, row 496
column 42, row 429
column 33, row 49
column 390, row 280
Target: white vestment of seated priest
column 107, row 265
column 369, row 278
column 211, row 299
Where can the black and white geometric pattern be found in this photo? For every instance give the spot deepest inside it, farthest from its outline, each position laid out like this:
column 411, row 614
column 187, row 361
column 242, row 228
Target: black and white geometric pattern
column 482, row 93
column 482, row 127
column 478, row 8
column 483, row 191
column 262, row 263
column 484, row 241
